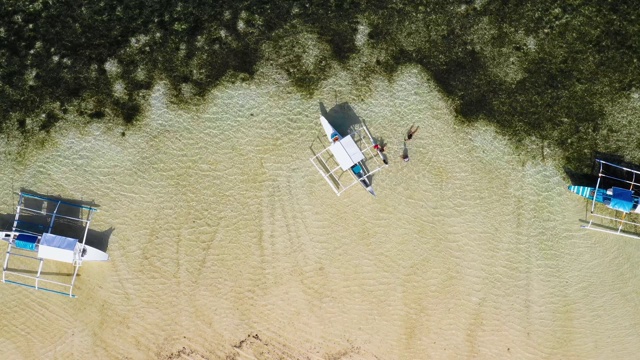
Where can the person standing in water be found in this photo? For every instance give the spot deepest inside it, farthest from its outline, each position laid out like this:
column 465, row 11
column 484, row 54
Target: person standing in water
column 411, row 132
column 380, row 149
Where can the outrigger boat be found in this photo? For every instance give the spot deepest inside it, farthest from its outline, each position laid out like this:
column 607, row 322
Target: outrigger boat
column 623, row 199
column 36, row 229
column 344, row 151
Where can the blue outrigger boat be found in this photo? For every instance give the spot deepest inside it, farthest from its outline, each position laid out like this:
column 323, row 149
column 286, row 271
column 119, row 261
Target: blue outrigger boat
column 614, row 198
column 622, row 199
column 48, row 229
column 344, row 151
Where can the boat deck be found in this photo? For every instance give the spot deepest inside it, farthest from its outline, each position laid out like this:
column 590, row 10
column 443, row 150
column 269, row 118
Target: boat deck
column 335, row 161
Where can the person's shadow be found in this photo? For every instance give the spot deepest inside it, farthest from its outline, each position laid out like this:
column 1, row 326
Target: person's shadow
column 405, row 152
column 382, row 144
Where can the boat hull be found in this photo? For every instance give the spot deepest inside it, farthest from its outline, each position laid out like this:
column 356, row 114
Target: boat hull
column 588, row 192
column 357, row 171
column 93, row 254
column 615, row 198
column 332, row 134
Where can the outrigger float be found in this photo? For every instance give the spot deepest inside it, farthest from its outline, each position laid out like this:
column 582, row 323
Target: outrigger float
column 622, row 197
column 349, row 153
column 35, row 236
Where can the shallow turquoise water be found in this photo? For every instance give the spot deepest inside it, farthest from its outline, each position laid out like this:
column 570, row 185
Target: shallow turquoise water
column 227, row 242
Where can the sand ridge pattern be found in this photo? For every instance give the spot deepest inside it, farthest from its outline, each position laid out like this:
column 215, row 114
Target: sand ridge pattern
column 225, row 234
column 254, row 347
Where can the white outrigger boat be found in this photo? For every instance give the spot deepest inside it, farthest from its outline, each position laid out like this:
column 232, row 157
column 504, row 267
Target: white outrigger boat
column 349, row 157
column 37, row 234
column 623, row 199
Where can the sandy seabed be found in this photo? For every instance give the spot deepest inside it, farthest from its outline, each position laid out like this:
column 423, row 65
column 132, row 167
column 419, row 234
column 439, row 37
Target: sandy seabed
column 227, row 244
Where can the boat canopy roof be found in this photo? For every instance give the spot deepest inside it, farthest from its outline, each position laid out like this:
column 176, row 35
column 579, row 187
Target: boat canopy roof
column 621, row 199
column 56, row 247
column 346, row 152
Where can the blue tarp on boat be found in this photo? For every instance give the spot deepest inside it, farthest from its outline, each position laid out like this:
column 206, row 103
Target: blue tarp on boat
column 25, row 245
column 26, row 242
column 621, row 199
column 27, row 238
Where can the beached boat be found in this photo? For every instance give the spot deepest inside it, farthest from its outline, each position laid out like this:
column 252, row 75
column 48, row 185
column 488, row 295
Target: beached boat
column 349, row 157
column 48, row 229
column 613, row 198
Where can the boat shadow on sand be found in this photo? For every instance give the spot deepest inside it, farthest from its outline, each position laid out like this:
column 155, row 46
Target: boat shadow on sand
column 590, row 177
column 342, row 118
column 38, row 223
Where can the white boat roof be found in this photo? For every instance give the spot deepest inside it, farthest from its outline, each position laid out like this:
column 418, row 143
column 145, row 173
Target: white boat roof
column 346, row 152
column 56, row 247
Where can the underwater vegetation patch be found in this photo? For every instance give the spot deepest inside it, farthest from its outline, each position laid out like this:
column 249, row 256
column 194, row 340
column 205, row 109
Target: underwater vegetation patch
column 546, row 69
